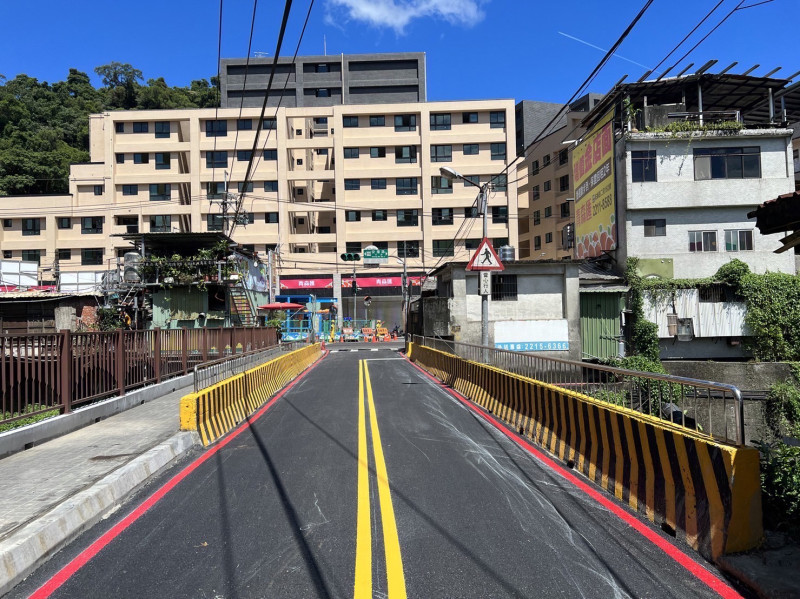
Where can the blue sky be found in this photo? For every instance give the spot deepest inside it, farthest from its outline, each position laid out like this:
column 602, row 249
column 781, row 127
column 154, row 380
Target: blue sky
column 521, row 49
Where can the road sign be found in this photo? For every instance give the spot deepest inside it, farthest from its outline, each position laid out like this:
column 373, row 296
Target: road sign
column 485, row 282
column 485, row 258
column 373, row 255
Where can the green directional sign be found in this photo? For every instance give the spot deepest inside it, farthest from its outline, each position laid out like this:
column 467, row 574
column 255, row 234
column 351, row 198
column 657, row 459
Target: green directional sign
column 374, row 255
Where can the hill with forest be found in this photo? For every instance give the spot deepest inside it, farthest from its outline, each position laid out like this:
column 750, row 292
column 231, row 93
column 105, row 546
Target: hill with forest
column 44, row 127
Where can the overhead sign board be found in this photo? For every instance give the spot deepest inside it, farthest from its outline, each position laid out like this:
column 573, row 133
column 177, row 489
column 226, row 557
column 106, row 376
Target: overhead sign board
column 595, row 198
column 485, row 258
column 374, row 255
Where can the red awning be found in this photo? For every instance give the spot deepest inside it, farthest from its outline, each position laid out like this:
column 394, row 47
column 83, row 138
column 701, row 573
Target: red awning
column 281, row 306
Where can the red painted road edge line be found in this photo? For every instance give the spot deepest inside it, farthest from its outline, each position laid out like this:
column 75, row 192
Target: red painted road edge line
column 709, row 579
column 87, row 554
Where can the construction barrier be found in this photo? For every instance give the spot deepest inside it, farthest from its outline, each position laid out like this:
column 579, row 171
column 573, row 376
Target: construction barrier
column 707, row 491
column 217, row 409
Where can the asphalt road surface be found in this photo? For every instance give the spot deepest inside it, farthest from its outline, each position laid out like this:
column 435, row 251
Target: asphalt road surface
column 367, row 479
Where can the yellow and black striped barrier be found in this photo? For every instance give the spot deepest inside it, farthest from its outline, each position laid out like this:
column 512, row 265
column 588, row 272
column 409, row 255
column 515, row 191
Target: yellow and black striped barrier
column 217, row 409
column 707, row 491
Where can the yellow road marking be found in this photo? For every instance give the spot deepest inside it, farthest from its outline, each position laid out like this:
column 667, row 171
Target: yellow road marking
column 395, row 579
column 363, row 580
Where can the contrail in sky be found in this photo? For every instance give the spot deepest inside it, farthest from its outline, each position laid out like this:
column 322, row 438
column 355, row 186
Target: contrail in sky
column 602, row 49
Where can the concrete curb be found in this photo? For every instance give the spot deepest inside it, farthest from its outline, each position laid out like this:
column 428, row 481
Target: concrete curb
column 33, row 544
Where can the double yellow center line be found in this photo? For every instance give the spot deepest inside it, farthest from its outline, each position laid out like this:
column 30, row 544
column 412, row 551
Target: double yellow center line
column 395, row 580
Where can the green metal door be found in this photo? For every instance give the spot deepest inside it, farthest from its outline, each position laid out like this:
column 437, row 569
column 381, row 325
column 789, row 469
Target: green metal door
column 600, row 323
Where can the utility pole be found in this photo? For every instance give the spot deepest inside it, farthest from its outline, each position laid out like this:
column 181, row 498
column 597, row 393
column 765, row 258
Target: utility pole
column 483, row 198
column 355, row 293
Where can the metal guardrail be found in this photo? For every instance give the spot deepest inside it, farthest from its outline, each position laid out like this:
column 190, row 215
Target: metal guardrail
column 715, row 409
column 210, row 373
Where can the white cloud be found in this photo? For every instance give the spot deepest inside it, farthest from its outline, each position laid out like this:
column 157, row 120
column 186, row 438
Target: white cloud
column 397, row 14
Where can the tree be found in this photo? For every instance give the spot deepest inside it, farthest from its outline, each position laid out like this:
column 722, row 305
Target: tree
column 121, row 83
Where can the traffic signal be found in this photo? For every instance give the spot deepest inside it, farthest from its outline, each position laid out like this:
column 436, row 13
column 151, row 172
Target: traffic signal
column 355, row 288
column 350, row 257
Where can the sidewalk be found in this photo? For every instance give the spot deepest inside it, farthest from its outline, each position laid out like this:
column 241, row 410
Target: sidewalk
column 53, row 492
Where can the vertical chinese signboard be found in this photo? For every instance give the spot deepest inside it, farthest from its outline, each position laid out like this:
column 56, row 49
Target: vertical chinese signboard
column 595, row 200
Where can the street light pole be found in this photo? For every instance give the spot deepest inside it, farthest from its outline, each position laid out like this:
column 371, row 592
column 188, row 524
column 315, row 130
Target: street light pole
column 483, row 205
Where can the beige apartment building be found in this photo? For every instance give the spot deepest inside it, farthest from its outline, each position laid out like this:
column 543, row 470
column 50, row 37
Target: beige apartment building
column 546, row 206
column 325, row 180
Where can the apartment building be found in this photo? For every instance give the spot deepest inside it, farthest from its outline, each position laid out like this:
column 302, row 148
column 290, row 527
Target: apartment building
column 545, row 193
column 325, row 181
column 307, row 81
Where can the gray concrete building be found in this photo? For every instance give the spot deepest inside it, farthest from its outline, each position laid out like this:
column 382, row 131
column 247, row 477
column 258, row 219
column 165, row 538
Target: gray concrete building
column 325, row 80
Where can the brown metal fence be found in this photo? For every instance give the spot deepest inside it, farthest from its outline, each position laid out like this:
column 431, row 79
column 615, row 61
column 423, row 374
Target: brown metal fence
column 59, row 371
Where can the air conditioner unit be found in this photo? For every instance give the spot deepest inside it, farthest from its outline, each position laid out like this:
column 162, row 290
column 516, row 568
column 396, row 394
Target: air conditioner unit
column 672, row 324
column 685, row 329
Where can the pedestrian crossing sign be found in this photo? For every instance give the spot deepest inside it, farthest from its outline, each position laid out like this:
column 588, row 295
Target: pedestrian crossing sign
column 485, row 258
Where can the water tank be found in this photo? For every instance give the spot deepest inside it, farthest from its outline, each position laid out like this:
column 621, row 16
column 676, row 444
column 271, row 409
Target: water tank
column 130, row 272
column 506, row 253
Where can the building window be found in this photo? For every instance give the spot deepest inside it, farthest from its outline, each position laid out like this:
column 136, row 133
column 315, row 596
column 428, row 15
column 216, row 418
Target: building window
column 472, row 180
column 131, row 223
column 381, row 245
column 271, row 186
column 323, row 92
column 31, row 226
column 352, row 184
column 469, row 117
column 377, row 121
column 405, row 122
column 378, row 183
column 564, row 209
column 244, row 124
column 563, row 183
column 537, row 242
column 472, row 244
column 405, row 154
column 351, row 152
column 497, row 119
column 321, row 151
column 702, row 241
column 140, row 127
column 273, row 155
column 214, row 222
column 160, row 192
column 441, row 153
column 443, row 247
column 160, row 223
column 322, row 67
column 241, row 187
column 727, row 163
column 32, row 256
column 218, row 159
column 739, row 241
column 119, row 127
column 380, row 215
column 270, row 123
column 643, row 166
column 563, row 157
column 162, row 129
column 406, row 186
column 536, row 192
column 408, row 218
column 500, row 182
column 377, row 152
column 244, row 155
column 271, row 218
column 141, row 158
column 471, row 212
column 63, row 254
column 120, row 158
column 534, row 169
column 440, row 122
column 64, row 222
column 130, row 190
column 655, row 227
column 99, row 190
column 442, row 216
column 350, row 121
column 499, row 151
column 215, row 191
column 216, row 128
column 537, row 217
column 504, row 288
column 548, row 238
column 499, row 214
column 91, row 256
column 91, row 225
column 163, row 160
column 321, row 121
column 352, row 216
column 548, row 211
column 546, row 160
column 546, row 186
column 441, row 185
column 471, row 149
column 352, row 247
column 408, row 249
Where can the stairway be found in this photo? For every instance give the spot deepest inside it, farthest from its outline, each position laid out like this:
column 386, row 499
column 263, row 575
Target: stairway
column 241, row 309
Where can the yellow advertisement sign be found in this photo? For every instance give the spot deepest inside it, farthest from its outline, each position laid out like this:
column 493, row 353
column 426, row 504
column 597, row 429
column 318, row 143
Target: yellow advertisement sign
column 595, row 199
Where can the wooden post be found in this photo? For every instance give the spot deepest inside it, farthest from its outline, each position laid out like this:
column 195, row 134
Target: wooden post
column 185, row 349
column 65, row 369
column 157, row 353
column 120, row 361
